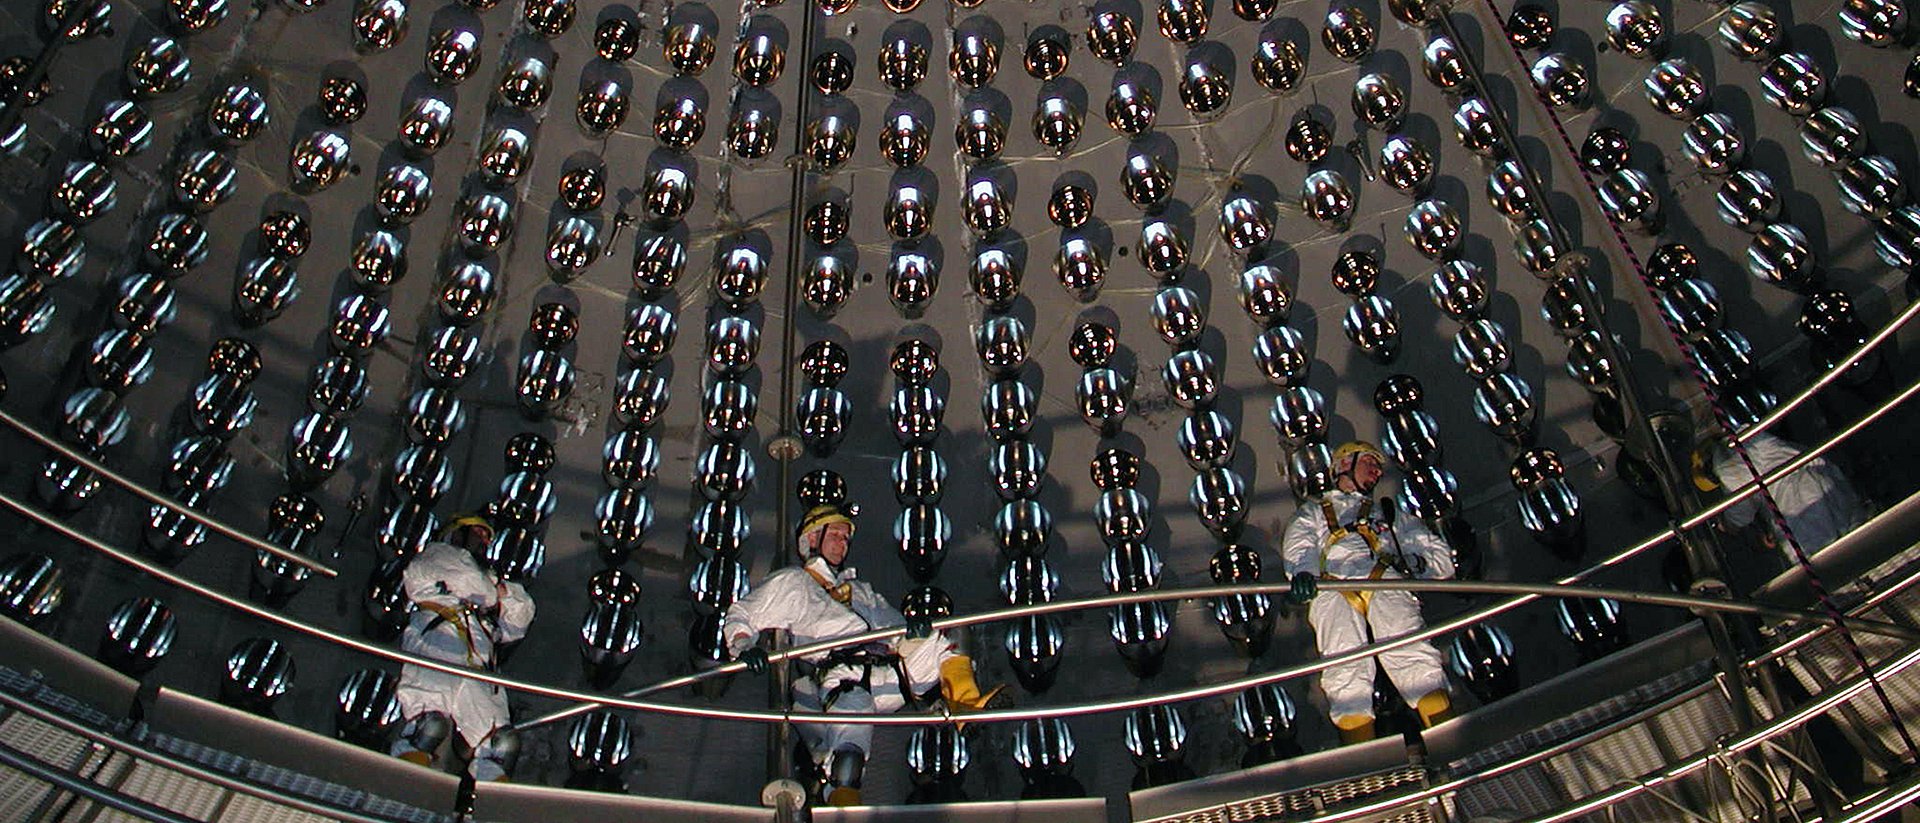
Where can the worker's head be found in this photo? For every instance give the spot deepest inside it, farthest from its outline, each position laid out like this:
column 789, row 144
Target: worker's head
column 1358, row 466
column 469, row 531
column 824, row 531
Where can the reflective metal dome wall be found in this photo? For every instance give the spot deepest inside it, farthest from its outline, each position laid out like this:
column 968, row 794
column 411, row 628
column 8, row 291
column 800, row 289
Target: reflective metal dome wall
column 1069, row 299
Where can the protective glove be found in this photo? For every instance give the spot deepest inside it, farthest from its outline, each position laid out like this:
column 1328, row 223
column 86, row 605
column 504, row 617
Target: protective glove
column 1416, row 565
column 755, row 660
column 919, row 628
column 1305, row 586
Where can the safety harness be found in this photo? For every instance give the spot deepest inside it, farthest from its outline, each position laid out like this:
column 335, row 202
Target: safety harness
column 1362, row 527
column 863, row 657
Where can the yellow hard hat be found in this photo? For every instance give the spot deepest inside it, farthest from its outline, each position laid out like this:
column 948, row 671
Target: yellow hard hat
column 1353, row 449
column 466, row 521
column 820, row 517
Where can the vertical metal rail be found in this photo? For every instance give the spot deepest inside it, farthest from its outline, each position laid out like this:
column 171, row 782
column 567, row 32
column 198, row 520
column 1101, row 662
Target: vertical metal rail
column 780, row 735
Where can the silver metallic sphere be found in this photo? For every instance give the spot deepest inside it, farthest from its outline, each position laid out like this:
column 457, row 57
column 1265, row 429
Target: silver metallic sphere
column 1871, row 186
column 1505, row 403
column 1793, row 83
column 629, row 459
column 526, row 84
column 1327, row 198
column 1636, row 29
column 689, row 48
column 1474, row 126
column 264, row 289
column 1264, row 296
column 1009, row 408
column 602, row 107
column 1282, row 355
column 1715, row 144
column 1406, row 165
column 1179, row 315
column 1628, row 198
column 1562, row 80
column 1749, row 200
column 159, row 67
column 1348, row 33
column 912, row 280
column 1832, row 136
column 1780, row 254
column 1299, row 416
column 319, row 161
column 1876, row 23
column 1434, row 229
column 403, row 193
column 122, row 131
column 1379, row 102
column 379, row 25
column 1278, row 63
column 1677, row 89
column 237, row 114
column 1751, row 31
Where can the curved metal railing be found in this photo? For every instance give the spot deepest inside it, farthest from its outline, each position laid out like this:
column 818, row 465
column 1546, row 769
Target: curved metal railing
column 151, row 496
column 1526, row 593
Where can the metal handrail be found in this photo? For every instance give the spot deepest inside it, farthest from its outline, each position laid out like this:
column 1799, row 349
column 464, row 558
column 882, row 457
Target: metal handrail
column 1735, row 745
column 1529, row 592
column 157, row 498
column 1826, row 378
column 1432, row 631
column 1484, row 773
column 41, row 770
column 187, row 767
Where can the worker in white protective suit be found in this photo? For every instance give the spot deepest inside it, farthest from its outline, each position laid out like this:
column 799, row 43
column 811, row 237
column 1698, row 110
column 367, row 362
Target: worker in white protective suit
column 821, row 600
column 465, row 612
column 1819, row 502
column 1347, row 535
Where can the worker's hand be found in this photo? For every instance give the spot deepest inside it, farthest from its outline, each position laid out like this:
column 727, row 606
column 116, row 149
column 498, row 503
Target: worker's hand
column 919, row 628
column 755, row 659
column 1416, row 565
column 1305, row 586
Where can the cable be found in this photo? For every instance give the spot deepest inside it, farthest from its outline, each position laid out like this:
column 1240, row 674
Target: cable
column 1721, row 416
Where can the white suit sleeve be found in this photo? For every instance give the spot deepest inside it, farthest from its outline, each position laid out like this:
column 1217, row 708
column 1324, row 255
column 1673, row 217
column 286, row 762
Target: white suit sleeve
column 1301, row 546
column 878, row 612
column 770, row 605
column 1419, row 541
column 1733, row 474
column 516, row 613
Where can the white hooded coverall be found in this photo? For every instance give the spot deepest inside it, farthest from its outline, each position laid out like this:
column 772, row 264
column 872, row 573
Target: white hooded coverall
column 1819, row 502
column 792, row 599
column 1339, row 626
column 455, row 596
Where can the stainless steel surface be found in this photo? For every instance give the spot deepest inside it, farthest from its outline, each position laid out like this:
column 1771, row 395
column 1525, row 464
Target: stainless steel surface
column 287, row 53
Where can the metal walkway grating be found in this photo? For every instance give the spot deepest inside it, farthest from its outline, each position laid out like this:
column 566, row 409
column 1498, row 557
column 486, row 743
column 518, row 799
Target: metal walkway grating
column 1305, row 804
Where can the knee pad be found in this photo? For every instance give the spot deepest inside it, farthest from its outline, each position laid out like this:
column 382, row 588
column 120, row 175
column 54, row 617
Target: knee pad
column 845, row 766
column 428, row 731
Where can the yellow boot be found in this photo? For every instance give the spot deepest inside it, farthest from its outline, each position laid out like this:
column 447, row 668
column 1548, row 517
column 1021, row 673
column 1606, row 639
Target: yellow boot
column 1435, row 707
column 843, row 796
column 417, row 757
column 961, row 692
column 1354, row 728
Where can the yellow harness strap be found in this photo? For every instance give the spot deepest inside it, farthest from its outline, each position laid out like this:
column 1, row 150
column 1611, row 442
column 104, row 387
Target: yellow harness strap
column 1360, row 526
column 842, row 593
column 458, row 619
